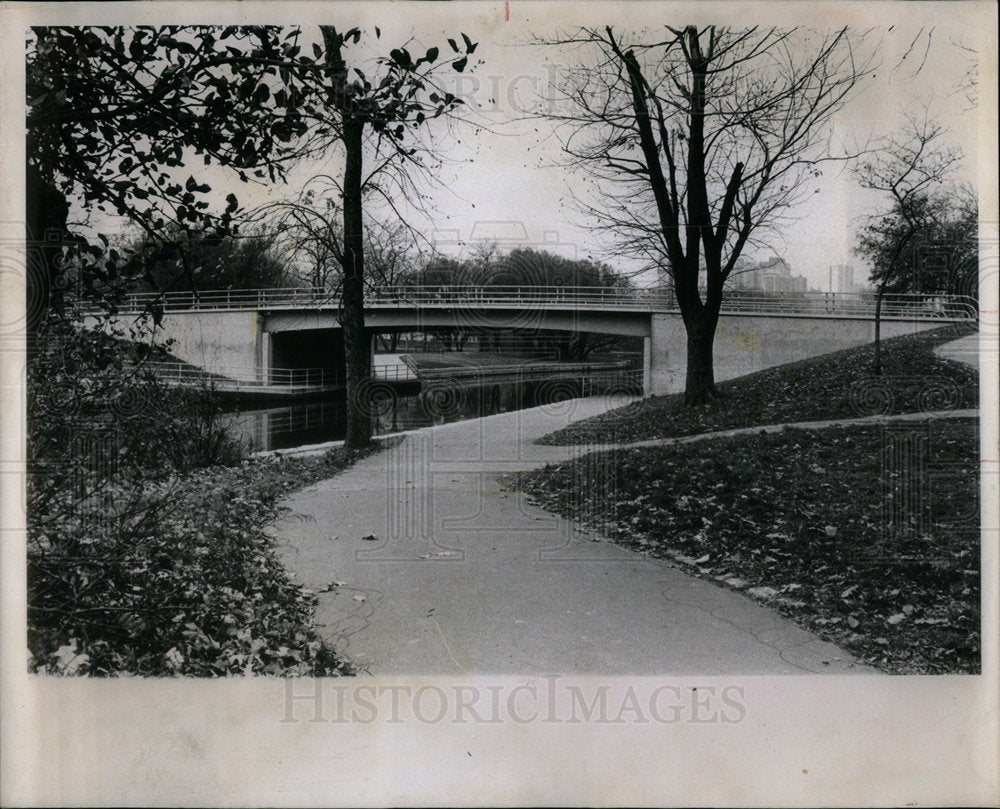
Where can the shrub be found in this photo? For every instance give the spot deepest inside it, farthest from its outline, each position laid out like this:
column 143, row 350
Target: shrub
column 146, row 546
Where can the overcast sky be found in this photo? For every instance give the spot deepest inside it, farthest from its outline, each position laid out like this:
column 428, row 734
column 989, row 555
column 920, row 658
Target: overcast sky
column 502, row 182
column 508, row 188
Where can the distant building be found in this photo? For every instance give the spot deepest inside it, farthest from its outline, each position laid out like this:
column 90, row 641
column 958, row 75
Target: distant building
column 773, row 275
column 842, row 278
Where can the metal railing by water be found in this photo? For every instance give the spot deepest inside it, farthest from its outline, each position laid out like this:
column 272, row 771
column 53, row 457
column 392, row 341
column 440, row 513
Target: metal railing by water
column 229, row 376
column 857, row 304
column 178, row 372
column 396, row 373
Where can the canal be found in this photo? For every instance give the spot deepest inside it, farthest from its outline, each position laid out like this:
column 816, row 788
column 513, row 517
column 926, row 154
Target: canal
column 393, row 410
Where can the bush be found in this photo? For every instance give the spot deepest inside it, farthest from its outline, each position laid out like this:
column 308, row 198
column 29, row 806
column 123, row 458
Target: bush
column 183, row 583
column 146, row 546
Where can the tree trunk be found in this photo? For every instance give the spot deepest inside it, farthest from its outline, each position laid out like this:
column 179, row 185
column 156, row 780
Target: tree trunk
column 699, row 385
column 356, row 338
column 45, row 234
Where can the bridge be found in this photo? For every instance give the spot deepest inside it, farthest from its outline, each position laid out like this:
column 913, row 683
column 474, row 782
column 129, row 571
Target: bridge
column 256, row 334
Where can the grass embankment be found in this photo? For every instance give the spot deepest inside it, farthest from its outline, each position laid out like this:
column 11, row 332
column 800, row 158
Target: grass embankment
column 834, row 386
column 867, row 535
column 192, row 587
column 804, row 522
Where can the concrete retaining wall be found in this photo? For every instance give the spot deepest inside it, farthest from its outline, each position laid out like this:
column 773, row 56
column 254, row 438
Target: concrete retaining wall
column 227, row 343
column 745, row 344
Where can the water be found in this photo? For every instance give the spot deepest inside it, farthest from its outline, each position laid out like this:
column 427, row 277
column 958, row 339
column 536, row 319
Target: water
column 304, row 423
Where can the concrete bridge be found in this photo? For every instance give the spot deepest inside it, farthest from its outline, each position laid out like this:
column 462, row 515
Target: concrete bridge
column 247, row 334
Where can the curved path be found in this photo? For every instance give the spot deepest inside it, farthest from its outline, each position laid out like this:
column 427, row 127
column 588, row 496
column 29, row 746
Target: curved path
column 465, row 576
column 965, row 349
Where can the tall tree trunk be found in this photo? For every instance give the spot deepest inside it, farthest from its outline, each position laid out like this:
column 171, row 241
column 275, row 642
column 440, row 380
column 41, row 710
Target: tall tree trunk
column 699, row 384
column 356, row 338
column 700, row 319
column 45, row 234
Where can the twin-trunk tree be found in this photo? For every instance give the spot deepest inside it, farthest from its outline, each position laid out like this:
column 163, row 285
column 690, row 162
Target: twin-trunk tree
column 696, row 141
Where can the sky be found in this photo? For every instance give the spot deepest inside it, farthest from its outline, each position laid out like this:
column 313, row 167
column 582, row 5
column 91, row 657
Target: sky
column 503, row 180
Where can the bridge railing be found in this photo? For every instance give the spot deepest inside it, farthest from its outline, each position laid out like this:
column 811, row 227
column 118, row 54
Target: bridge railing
column 860, row 304
column 229, row 299
column 179, row 372
column 396, row 373
column 182, row 373
column 857, row 304
column 451, row 295
column 296, row 297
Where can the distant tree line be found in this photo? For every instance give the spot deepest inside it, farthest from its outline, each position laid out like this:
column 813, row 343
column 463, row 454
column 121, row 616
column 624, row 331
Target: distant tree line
column 520, row 268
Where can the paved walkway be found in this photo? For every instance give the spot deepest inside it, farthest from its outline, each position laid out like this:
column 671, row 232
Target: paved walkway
column 923, row 415
column 468, row 577
column 465, row 576
column 965, row 349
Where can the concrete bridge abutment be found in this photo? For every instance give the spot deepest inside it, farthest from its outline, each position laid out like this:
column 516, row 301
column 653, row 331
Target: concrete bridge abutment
column 745, row 343
column 246, row 343
column 228, row 343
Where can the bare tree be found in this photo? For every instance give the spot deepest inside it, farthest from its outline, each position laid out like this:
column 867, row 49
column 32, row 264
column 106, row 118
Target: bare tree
column 696, row 140
column 968, row 84
column 911, row 167
column 392, row 254
column 307, row 231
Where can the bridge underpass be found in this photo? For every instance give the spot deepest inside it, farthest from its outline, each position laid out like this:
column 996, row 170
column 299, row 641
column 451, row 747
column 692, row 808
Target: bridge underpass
column 257, row 331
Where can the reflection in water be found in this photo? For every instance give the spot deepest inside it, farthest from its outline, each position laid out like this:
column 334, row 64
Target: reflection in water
column 317, row 422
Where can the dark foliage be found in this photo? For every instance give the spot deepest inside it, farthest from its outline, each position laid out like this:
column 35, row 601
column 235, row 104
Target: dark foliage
column 192, row 261
column 146, row 545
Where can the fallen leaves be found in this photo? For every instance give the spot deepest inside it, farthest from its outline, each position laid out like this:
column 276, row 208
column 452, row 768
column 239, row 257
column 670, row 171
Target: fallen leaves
column 750, row 512
column 199, row 591
column 824, row 387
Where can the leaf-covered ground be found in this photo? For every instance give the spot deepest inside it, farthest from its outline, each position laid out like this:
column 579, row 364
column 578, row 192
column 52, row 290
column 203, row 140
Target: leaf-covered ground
column 838, row 385
column 844, row 530
column 191, row 586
